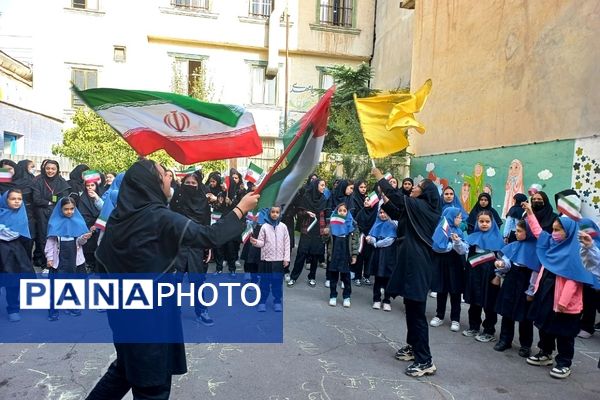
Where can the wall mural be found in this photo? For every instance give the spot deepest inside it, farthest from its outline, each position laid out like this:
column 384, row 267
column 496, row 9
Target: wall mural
column 586, row 175
column 502, row 172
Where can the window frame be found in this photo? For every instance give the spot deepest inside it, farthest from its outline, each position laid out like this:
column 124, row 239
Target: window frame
column 86, row 5
column 330, row 4
column 201, row 5
column 116, row 48
column 260, row 4
column 76, row 101
column 265, row 89
column 178, row 58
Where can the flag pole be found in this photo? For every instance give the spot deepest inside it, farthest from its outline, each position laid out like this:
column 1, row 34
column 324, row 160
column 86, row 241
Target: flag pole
column 290, row 145
column 373, row 163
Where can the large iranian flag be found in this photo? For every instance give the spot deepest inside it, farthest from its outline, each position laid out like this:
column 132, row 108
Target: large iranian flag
column 188, row 129
column 303, row 143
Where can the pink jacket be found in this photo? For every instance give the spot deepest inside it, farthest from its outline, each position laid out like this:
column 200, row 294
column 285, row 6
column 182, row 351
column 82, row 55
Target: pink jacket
column 567, row 293
column 52, row 250
column 274, row 243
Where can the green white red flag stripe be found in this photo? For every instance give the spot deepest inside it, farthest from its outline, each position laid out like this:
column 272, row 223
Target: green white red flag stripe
column 91, row 176
column 247, row 233
column 187, row 171
column 568, row 207
column 5, row 175
column 303, row 143
column 214, row 217
column 388, row 176
column 189, row 130
column 589, row 230
column 253, row 173
column 479, row 259
column 373, row 199
column 337, row 220
column 100, row 224
column 445, row 226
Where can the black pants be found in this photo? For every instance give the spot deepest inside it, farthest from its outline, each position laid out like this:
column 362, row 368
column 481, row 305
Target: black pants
column 271, row 283
column 591, row 302
column 455, row 299
column 489, row 324
column 334, row 276
column 564, row 344
column 361, row 267
column 417, row 330
column 114, row 385
column 381, row 283
column 299, row 265
column 507, row 331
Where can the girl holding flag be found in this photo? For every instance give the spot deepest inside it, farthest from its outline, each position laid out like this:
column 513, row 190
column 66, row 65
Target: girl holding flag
column 365, row 220
column 274, row 243
column 14, row 236
column 519, row 263
column 449, row 275
column 382, row 237
column 344, row 249
column 480, row 292
column 558, row 299
column 67, row 233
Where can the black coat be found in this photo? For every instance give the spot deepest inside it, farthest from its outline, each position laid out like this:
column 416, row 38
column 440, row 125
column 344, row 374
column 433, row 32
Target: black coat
column 413, row 275
column 449, row 273
column 144, row 236
column 478, row 288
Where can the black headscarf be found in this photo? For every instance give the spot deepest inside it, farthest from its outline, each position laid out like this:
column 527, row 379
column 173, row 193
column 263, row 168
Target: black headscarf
column 23, row 179
column 217, row 177
column 313, row 200
column 6, row 186
column 191, row 201
column 87, row 207
column 546, row 215
column 142, row 234
column 76, row 179
column 424, row 211
column 339, row 194
column 517, row 211
column 472, row 220
column 235, row 189
column 55, row 185
column 406, row 192
column 357, row 200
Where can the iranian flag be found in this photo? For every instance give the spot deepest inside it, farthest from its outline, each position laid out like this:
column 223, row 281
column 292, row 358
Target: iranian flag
column 569, row 206
column 5, row 175
column 445, row 226
column 253, row 173
column 189, row 130
column 479, row 259
column 247, row 233
column 303, row 143
column 100, row 223
column 187, row 171
column 91, row 176
column 373, row 199
column 337, row 219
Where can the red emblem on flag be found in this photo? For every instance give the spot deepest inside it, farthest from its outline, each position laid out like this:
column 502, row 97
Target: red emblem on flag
column 177, row 120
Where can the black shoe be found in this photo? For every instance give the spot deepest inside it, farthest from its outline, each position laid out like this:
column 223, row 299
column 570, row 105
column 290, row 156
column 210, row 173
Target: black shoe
column 405, row 353
column 501, row 346
column 416, row 369
column 524, row 351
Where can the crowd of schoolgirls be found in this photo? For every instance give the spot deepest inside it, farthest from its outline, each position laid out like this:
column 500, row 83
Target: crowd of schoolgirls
column 534, row 272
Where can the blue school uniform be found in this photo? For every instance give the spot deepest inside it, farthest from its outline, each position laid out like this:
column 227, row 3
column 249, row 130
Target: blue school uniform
column 449, row 274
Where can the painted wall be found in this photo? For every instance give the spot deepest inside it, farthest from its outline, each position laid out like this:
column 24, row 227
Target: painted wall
column 586, row 175
column 506, row 171
column 392, row 55
column 506, row 72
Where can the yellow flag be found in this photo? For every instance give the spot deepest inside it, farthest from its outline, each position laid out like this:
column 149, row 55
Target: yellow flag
column 385, row 118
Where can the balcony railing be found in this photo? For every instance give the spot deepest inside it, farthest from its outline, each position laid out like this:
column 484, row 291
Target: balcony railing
column 260, row 8
column 191, row 5
column 336, row 14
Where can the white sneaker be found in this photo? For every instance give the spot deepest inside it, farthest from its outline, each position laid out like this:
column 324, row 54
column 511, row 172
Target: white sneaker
column 346, row 302
column 387, row 307
column 287, row 277
column 455, row 326
column 342, row 285
column 436, row 321
column 262, row 308
column 377, row 305
column 238, row 264
column 333, row 302
column 45, row 271
column 433, row 295
column 327, row 283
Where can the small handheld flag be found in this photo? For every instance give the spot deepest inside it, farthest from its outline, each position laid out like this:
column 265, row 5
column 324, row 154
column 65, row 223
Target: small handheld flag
column 91, row 176
column 479, row 259
column 589, row 229
column 247, row 233
column 570, row 207
column 214, row 217
column 254, row 173
column 5, row 175
column 100, row 223
column 388, row 176
column 445, row 226
column 372, row 199
column 188, row 171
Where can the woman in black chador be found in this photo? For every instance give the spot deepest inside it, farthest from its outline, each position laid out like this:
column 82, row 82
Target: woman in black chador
column 412, row 277
column 144, row 236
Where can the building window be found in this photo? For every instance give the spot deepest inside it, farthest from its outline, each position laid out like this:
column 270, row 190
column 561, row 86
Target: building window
column 85, row 4
column 83, row 79
column 11, row 143
column 336, row 12
column 325, row 80
column 268, row 143
column 260, row 8
column 189, row 77
column 193, row 5
column 262, row 90
column 119, row 53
